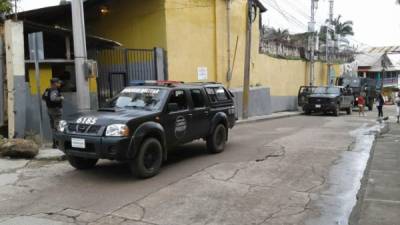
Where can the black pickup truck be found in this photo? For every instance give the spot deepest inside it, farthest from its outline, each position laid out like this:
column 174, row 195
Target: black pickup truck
column 145, row 121
column 359, row 85
column 327, row 99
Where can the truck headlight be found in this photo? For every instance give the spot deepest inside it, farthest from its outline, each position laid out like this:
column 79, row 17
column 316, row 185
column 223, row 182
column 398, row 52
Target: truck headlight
column 62, row 125
column 117, row 130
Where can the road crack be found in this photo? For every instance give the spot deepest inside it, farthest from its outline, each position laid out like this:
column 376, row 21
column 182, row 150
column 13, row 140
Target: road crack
column 281, row 153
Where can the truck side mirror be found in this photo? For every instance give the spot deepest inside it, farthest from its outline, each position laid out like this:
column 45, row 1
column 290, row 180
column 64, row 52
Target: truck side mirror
column 172, row 107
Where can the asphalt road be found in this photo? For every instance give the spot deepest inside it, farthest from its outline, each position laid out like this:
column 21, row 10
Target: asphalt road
column 299, row 170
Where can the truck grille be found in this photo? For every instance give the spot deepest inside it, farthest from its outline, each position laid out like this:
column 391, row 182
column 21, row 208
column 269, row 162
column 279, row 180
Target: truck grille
column 83, row 128
column 319, row 100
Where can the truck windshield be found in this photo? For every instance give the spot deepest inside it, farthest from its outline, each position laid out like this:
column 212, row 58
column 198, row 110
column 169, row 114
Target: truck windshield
column 149, row 99
column 327, row 90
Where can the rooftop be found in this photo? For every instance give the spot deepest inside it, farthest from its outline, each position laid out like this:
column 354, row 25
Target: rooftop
column 382, row 49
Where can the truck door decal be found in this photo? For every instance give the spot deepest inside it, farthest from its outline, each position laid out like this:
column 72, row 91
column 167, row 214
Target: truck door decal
column 180, row 127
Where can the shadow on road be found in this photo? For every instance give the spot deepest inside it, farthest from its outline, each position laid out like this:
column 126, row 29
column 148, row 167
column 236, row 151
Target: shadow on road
column 114, row 171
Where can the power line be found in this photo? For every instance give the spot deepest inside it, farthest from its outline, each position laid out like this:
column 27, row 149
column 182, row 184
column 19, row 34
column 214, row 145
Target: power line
column 285, row 12
column 286, row 16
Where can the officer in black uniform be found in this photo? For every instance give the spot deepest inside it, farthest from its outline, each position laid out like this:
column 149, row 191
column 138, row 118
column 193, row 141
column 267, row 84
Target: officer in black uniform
column 54, row 102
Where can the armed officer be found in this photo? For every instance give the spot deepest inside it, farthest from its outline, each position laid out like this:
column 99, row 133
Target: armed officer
column 54, row 102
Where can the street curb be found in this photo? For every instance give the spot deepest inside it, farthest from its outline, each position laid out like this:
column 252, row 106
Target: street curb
column 56, row 158
column 354, row 218
column 268, row 117
column 52, row 155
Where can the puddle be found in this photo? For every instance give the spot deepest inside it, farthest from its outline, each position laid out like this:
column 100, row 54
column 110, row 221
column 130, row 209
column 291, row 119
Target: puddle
column 337, row 202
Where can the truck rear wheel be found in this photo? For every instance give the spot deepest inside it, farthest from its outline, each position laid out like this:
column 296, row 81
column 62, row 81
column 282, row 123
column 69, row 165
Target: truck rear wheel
column 148, row 160
column 81, row 163
column 349, row 111
column 217, row 140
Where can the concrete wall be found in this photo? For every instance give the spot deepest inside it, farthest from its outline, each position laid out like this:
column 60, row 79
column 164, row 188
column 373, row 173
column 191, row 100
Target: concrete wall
column 16, row 87
column 260, row 101
column 194, row 33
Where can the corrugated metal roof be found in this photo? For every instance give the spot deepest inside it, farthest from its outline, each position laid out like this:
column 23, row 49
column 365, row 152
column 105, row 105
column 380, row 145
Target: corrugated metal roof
column 374, row 61
column 394, row 59
column 382, row 49
column 368, row 59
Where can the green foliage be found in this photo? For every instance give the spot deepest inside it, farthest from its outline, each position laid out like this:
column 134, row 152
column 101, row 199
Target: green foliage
column 276, row 35
column 343, row 28
column 6, row 6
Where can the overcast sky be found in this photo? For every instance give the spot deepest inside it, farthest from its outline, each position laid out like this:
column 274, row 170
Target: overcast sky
column 376, row 22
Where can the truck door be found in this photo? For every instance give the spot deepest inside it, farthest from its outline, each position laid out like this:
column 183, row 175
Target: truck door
column 200, row 112
column 178, row 119
column 304, row 92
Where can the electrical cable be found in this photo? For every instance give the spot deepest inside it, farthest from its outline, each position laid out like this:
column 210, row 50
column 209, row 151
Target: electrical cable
column 286, row 16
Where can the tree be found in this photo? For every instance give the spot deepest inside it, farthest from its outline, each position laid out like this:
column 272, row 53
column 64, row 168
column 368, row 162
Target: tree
column 6, row 6
column 276, row 35
column 343, row 29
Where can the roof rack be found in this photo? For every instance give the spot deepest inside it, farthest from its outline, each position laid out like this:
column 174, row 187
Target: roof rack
column 155, row 83
column 203, row 83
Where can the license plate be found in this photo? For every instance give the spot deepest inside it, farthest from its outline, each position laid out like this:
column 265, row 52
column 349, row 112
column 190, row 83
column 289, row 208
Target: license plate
column 78, row 143
column 318, row 106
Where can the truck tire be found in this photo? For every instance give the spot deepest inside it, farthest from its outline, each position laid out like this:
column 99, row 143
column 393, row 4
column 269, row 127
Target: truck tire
column 349, row 111
column 148, row 160
column 217, row 140
column 81, row 163
column 336, row 111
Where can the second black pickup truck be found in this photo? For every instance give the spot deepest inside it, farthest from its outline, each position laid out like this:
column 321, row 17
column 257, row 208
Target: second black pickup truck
column 328, row 99
column 145, row 121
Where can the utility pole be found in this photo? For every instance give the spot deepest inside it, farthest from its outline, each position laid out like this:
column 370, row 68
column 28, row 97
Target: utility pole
column 228, row 25
column 79, row 35
column 329, row 44
column 246, row 81
column 311, row 41
column 15, row 10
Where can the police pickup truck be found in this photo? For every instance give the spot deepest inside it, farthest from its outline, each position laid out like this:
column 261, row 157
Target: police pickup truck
column 327, row 99
column 144, row 121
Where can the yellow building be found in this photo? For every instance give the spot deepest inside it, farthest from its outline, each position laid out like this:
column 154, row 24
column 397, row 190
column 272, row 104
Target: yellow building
column 199, row 44
column 195, row 37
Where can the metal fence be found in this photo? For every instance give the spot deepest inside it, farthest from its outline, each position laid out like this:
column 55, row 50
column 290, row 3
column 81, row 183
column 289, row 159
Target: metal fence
column 117, row 68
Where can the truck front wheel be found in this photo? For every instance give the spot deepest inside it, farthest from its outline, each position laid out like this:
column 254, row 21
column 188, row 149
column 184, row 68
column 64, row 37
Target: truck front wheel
column 81, row 163
column 148, row 160
column 217, row 140
column 336, row 111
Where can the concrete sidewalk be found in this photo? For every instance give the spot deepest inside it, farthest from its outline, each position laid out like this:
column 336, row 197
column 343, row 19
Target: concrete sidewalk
column 380, row 205
column 273, row 116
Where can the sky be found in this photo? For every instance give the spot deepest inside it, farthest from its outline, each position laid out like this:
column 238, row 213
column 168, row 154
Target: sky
column 376, row 22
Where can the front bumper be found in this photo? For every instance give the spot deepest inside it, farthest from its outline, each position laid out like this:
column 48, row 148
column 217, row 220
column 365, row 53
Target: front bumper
column 114, row 148
column 320, row 107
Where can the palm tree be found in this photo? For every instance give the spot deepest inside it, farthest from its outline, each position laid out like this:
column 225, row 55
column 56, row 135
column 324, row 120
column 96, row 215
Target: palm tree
column 276, row 35
column 343, row 28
